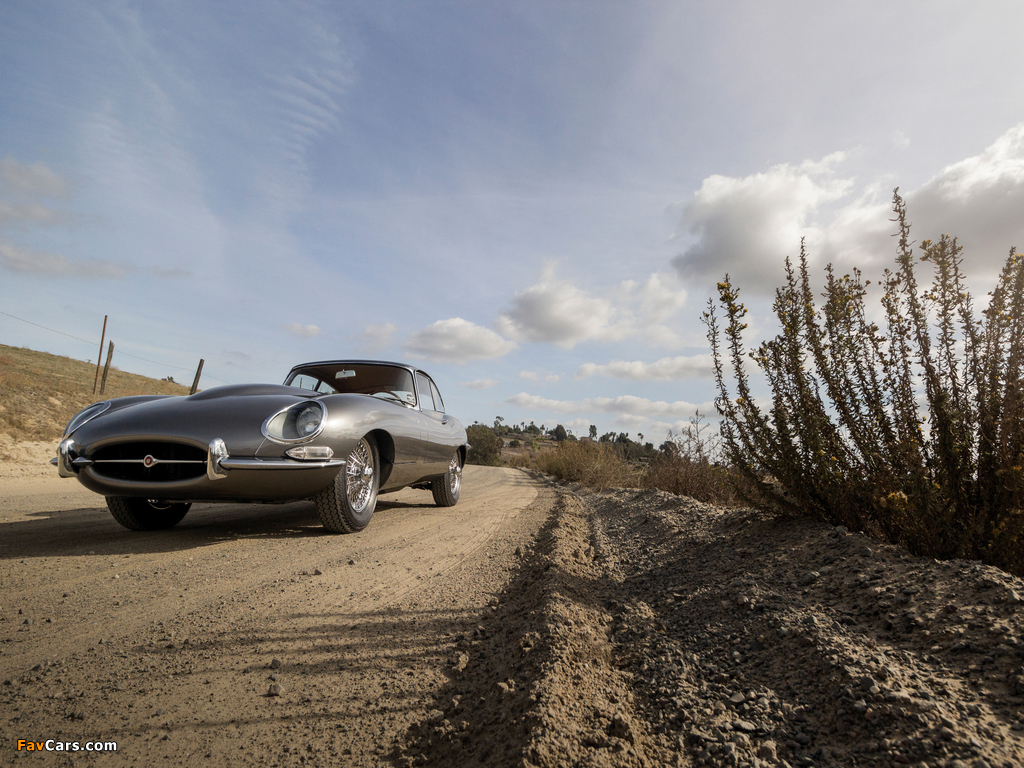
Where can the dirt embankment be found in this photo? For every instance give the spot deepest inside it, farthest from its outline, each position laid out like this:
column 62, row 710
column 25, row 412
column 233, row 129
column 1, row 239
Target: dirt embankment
column 530, row 626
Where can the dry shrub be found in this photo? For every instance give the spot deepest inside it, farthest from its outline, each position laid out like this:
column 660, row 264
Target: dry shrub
column 592, row 464
column 523, row 460
column 913, row 432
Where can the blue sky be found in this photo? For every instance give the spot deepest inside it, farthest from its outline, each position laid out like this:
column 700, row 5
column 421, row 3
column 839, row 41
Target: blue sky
column 532, row 200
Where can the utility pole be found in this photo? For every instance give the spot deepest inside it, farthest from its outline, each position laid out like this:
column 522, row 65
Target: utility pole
column 195, row 382
column 100, row 356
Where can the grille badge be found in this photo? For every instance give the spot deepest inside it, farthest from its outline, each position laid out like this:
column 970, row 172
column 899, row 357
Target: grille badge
column 149, row 461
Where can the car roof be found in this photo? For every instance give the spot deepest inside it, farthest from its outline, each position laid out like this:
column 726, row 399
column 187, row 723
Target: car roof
column 358, row 362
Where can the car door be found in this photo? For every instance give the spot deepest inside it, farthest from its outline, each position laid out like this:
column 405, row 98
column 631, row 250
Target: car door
column 439, row 431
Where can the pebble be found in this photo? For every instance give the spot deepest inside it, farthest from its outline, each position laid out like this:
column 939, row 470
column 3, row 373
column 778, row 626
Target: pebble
column 276, row 689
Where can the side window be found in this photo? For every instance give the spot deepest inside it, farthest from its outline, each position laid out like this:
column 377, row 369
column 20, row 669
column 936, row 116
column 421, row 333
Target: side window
column 426, row 398
column 438, row 402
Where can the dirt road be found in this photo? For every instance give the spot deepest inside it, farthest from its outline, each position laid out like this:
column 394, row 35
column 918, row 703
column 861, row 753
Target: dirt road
column 531, row 626
column 169, row 643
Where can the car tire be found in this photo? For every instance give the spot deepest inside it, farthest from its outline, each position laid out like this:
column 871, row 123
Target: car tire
column 446, row 489
column 146, row 514
column 347, row 504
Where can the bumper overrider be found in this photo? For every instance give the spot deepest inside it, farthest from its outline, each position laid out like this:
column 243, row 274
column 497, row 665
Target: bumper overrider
column 246, row 478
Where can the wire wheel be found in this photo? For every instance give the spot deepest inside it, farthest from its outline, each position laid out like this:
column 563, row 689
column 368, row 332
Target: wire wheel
column 347, row 504
column 446, row 489
column 360, row 474
column 455, row 476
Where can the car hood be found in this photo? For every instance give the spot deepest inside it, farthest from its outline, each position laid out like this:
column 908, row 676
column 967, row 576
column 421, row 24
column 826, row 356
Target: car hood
column 234, row 413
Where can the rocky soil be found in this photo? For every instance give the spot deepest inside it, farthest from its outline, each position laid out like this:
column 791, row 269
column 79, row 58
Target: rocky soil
column 645, row 629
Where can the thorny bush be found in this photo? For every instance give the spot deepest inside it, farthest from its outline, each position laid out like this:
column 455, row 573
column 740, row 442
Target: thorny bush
column 914, row 433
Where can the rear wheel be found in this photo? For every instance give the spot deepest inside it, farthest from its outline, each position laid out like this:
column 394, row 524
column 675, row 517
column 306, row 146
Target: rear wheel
column 146, row 514
column 347, row 504
column 446, row 489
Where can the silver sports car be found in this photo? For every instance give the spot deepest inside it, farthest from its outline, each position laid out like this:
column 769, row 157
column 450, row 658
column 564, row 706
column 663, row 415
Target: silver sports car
column 336, row 432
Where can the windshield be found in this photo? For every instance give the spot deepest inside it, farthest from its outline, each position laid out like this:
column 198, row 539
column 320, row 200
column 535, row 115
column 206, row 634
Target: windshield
column 387, row 382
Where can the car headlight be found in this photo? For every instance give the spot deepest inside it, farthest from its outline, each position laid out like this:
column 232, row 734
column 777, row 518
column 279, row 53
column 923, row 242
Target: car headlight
column 296, row 423
column 84, row 415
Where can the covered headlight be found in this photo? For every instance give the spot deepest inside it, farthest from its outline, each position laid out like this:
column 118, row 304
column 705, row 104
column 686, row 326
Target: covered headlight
column 84, row 415
column 302, row 421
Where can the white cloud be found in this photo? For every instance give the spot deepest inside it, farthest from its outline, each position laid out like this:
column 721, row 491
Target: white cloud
column 549, row 378
column 556, row 311
column 457, row 341
column 374, row 338
column 30, row 180
column 623, row 405
column 480, row 384
column 300, row 330
column 54, row 265
column 666, row 368
column 747, row 226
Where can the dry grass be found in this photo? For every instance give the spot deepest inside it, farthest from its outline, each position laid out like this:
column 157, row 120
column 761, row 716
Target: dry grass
column 40, row 392
column 593, row 464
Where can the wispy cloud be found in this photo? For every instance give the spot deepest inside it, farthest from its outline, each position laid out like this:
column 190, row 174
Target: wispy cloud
column 663, row 369
column 302, row 331
column 374, row 338
column 54, row 265
column 36, row 180
column 480, row 384
column 623, row 405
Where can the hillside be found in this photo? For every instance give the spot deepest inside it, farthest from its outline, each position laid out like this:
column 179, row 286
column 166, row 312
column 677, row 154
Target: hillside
column 40, row 392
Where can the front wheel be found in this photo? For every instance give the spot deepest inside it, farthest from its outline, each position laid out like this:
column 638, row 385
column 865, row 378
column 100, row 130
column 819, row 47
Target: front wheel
column 347, row 504
column 146, row 514
column 446, row 489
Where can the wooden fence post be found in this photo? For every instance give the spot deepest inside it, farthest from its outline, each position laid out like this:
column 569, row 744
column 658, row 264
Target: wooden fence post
column 106, row 368
column 195, row 381
column 100, row 355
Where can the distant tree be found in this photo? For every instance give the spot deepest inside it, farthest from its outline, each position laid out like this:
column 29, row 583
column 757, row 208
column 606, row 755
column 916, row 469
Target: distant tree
column 593, row 432
column 559, row 433
column 485, row 446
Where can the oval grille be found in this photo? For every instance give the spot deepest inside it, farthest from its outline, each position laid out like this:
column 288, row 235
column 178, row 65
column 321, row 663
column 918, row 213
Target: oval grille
column 150, row 462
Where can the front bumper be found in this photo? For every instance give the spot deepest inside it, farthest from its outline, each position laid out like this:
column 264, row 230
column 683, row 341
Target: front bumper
column 226, row 478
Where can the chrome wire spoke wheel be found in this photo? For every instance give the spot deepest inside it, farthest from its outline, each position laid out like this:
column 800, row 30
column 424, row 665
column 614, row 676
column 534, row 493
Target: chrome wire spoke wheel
column 359, row 476
column 455, row 476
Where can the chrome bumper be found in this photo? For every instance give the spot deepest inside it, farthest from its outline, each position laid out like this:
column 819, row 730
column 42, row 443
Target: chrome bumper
column 218, row 462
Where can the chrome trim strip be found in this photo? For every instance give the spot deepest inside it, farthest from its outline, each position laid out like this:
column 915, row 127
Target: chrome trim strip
column 279, row 464
column 81, row 461
column 143, row 461
column 307, row 438
column 101, row 407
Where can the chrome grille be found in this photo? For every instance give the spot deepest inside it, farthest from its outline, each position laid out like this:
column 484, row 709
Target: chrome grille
column 149, row 462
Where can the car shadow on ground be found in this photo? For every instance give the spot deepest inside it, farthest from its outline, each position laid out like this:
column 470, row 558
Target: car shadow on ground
column 92, row 531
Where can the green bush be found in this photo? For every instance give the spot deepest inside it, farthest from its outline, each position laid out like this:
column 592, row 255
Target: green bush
column 484, row 446
column 912, row 433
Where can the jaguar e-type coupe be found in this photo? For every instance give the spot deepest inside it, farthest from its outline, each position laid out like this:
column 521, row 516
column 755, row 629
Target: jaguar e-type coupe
column 336, row 432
